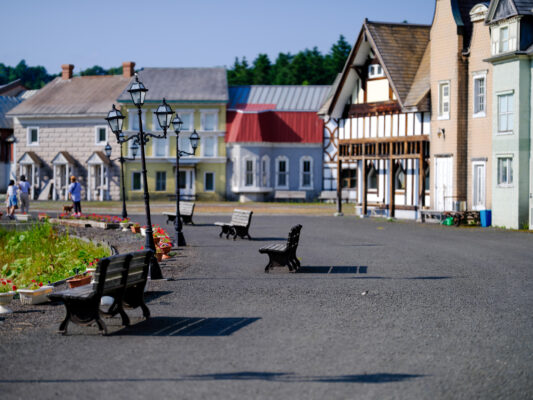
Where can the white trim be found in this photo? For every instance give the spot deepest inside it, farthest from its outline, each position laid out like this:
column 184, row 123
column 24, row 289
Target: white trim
column 475, row 77
column 155, row 122
column 205, row 180
column 512, row 114
column 203, row 139
column 484, row 165
column 141, row 181
column 165, row 142
column 134, row 112
column 190, row 112
column 96, row 135
column 444, row 115
column 265, row 171
column 203, row 113
column 28, row 136
column 276, row 181
column 505, row 185
column 245, row 171
column 303, row 159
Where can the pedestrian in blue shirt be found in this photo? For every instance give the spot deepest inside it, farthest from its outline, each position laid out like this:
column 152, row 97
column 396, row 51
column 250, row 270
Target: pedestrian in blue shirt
column 74, row 193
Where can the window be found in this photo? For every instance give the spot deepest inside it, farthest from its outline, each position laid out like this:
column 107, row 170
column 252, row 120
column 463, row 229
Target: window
column 130, row 143
column 155, row 122
column 249, row 172
column 504, row 39
column 209, row 120
column 505, row 171
column 399, row 178
column 159, row 147
column 282, row 172
column 479, row 96
column 185, row 144
column 136, row 182
column 209, row 182
column 33, row 136
column 349, row 178
column 372, row 178
column 209, row 146
column 133, row 119
column 101, row 135
column 375, row 71
column 265, row 171
column 306, row 172
column 505, row 112
column 444, row 100
column 188, row 120
column 183, row 180
column 427, row 179
column 160, row 181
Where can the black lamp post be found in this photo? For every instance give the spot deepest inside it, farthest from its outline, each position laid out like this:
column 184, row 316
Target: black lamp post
column 177, row 123
column 134, row 149
column 115, row 119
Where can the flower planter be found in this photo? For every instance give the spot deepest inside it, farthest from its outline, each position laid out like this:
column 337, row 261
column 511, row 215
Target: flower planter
column 165, row 249
column 37, row 296
column 5, row 299
column 159, row 256
column 143, row 231
column 23, row 217
column 166, row 257
column 124, row 226
column 75, row 282
column 156, row 240
column 135, row 229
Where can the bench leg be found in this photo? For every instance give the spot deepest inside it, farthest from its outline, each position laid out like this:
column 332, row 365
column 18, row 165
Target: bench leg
column 64, row 325
column 231, row 231
column 101, row 326
column 146, row 311
column 124, row 316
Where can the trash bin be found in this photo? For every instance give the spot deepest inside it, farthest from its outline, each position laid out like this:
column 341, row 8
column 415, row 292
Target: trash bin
column 486, row 218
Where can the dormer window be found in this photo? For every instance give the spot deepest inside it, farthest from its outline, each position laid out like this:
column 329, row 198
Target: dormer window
column 504, row 39
column 375, row 71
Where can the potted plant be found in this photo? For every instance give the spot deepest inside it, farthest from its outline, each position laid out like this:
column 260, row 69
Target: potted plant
column 124, row 224
column 158, row 253
column 135, row 228
column 79, row 280
column 35, row 293
column 43, row 217
column 143, row 230
column 7, row 291
column 164, row 247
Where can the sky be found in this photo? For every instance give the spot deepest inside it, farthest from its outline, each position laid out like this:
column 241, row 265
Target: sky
column 176, row 33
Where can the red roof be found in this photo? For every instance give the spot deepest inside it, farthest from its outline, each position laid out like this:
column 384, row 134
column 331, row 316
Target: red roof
column 274, row 127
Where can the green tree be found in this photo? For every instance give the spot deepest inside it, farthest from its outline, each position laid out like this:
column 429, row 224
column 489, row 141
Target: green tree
column 336, row 58
column 261, row 70
column 240, row 73
column 31, row 77
column 281, row 70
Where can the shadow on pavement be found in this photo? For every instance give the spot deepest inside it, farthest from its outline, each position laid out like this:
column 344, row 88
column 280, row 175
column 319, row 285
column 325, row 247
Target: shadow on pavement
column 186, row 326
column 241, row 376
column 332, row 270
column 151, row 296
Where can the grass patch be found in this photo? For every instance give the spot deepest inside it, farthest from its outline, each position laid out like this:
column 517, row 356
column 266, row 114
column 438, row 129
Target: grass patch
column 41, row 254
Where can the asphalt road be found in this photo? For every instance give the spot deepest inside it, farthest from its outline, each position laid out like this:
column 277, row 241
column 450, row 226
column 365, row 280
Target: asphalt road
column 382, row 311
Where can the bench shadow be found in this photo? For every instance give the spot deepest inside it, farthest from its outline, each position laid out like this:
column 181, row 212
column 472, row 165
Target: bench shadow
column 151, row 296
column 240, row 376
column 265, row 239
column 186, row 326
column 333, row 270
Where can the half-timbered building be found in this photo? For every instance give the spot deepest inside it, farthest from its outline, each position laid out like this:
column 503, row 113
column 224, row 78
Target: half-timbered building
column 377, row 121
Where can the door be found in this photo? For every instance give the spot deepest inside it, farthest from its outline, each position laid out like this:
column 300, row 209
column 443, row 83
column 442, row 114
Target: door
column 443, row 183
column 186, row 180
column 478, row 186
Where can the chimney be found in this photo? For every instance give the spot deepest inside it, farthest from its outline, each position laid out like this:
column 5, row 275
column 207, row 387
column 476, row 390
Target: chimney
column 66, row 72
column 128, row 69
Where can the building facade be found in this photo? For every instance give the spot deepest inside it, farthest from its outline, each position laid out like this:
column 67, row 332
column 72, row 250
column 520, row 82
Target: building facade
column 274, row 141
column 199, row 96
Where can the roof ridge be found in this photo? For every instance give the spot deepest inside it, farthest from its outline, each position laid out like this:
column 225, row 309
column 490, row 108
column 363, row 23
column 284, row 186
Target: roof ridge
column 406, row 24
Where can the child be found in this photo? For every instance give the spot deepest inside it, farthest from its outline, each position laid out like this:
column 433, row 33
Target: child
column 74, row 192
column 12, row 203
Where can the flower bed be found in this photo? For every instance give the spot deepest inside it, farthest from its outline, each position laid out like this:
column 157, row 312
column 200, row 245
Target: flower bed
column 94, row 220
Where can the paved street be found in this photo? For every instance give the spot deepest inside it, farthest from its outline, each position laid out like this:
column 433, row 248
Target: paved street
column 381, row 310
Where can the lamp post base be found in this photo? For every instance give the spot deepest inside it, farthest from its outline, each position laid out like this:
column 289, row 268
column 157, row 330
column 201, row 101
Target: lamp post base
column 180, row 242
column 155, row 270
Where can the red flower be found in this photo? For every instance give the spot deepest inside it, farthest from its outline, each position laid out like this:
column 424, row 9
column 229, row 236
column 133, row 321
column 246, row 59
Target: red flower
column 40, row 284
column 9, row 281
column 142, row 247
column 14, row 287
column 4, row 283
column 33, row 280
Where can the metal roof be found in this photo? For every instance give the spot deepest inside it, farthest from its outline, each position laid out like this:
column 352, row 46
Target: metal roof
column 6, row 104
column 277, row 97
column 182, row 84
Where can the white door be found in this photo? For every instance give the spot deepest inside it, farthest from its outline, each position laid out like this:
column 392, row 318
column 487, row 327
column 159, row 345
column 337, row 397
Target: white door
column 187, row 187
column 443, row 183
column 478, row 186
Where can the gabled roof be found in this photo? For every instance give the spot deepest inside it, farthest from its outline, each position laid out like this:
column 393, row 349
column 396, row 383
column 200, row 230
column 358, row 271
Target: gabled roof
column 7, row 103
column 400, row 49
column 421, row 84
column 14, row 88
column 277, row 97
column 182, row 85
column 503, row 9
column 63, row 157
column 30, row 157
column 79, row 96
column 327, row 102
column 98, row 157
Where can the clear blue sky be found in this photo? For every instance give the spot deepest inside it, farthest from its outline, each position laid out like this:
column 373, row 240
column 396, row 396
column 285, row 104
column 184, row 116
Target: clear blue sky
column 176, row 33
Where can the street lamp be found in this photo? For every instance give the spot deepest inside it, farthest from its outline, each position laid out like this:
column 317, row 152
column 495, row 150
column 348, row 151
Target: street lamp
column 177, row 123
column 115, row 120
column 134, row 149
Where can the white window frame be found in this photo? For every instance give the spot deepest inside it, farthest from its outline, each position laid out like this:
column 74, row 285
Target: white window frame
column 187, row 148
column 155, row 122
column 205, row 181
column 140, row 180
column 215, row 145
column 475, row 97
column 188, row 112
column 287, row 176
column 28, row 135
column 375, row 71
column 97, row 135
column 202, row 119
column 133, row 113
column 265, row 171
column 245, row 171
column 156, row 181
column 441, row 100
column 474, row 165
column 498, row 96
column 165, row 142
column 302, row 172
column 501, row 42
column 509, row 178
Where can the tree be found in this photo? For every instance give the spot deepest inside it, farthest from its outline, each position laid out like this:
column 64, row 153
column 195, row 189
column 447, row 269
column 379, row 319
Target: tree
column 240, row 74
column 337, row 57
column 31, row 77
column 261, row 70
column 281, row 73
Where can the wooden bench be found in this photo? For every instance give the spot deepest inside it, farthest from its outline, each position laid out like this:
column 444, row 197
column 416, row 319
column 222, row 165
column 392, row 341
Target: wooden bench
column 290, row 195
column 431, row 215
column 122, row 277
column 331, row 195
column 238, row 226
column 186, row 213
column 281, row 255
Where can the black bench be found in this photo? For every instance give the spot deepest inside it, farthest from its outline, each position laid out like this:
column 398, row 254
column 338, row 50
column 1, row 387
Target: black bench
column 122, row 277
column 186, row 213
column 281, row 255
column 238, row 226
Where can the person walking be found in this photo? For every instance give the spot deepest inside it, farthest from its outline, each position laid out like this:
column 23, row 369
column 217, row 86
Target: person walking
column 12, row 202
column 74, row 193
column 25, row 190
